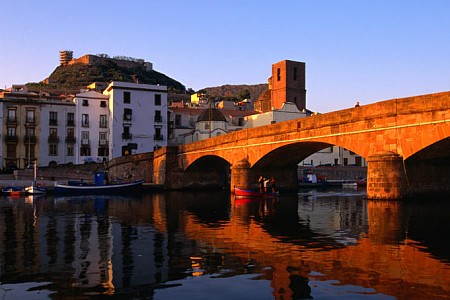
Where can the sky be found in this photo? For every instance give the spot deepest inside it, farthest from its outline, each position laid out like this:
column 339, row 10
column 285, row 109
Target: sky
column 354, row 50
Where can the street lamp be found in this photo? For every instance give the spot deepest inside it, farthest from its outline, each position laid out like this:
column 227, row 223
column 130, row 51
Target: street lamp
column 29, row 144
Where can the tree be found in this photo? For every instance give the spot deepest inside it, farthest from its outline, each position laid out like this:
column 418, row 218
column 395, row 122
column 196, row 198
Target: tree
column 244, row 94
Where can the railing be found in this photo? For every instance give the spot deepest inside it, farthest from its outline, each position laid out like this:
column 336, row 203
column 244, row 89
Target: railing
column 53, row 139
column 126, row 136
column 70, row 139
column 70, row 122
column 53, row 122
column 85, row 142
column 29, row 139
column 158, row 119
column 11, row 120
column 103, row 143
column 11, row 138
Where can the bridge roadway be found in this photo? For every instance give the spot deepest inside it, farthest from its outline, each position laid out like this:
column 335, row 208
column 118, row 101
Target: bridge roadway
column 405, row 141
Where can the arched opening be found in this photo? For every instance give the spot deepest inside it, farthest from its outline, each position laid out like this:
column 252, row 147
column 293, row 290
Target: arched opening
column 208, row 172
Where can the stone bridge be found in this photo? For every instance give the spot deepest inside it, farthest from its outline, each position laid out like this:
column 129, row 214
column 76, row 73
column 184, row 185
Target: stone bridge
column 405, row 142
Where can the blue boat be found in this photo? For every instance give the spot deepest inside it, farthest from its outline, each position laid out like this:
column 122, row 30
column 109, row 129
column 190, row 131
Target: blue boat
column 98, row 187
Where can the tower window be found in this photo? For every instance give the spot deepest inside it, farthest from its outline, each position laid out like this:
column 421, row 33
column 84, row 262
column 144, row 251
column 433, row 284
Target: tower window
column 278, row 74
column 295, row 73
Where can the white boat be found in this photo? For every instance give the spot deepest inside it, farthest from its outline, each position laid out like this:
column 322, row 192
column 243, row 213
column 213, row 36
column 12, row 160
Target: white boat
column 34, row 188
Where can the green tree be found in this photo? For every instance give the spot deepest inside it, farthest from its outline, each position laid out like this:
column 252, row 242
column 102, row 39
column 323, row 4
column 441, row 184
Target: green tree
column 244, row 94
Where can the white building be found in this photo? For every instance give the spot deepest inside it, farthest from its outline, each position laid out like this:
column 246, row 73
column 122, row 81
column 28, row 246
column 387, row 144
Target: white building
column 138, row 118
column 210, row 123
column 288, row 111
column 92, row 131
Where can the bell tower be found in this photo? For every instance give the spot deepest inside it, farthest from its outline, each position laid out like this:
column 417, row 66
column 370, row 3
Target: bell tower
column 288, row 84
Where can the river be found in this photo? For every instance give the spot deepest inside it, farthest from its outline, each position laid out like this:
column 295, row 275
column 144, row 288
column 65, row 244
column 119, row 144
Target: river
column 330, row 244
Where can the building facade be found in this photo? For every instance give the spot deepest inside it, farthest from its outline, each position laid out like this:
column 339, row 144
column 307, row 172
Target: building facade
column 138, row 118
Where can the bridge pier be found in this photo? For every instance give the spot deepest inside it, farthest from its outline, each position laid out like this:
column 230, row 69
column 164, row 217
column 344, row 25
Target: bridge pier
column 240, row 175
column 385, row 176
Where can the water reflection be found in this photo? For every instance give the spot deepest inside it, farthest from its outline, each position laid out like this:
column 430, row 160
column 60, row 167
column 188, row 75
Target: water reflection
column 310, row 245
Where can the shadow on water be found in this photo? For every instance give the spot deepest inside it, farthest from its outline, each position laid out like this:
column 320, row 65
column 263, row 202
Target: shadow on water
column 193, row 244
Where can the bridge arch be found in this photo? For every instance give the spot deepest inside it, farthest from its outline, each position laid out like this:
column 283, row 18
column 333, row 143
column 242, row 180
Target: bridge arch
column 208, row 171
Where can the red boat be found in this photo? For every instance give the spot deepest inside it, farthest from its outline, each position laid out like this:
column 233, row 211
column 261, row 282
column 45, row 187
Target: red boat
column 251, row 193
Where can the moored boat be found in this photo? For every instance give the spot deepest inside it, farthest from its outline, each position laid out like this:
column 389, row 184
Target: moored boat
column 86, row 189
column 12, row 190
column 34, row 188
column 252, row 193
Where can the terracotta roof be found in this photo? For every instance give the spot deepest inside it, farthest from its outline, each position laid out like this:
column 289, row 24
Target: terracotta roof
column 212, row 114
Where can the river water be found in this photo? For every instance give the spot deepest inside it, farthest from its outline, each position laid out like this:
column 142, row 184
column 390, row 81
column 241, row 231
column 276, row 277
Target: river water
column 331, row 244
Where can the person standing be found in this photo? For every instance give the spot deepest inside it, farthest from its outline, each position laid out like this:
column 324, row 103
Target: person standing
column 273, row 184
column 261, row 183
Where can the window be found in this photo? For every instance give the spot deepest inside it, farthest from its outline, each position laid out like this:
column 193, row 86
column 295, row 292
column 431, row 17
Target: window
column 85, row 151
column 30, row 117
column 157, row 99
column 70, row 119
column 158, row 117
column 295, row 73
column 29, row 131
column 53, row 132
column 126, row 134
column 12, row 115
column 158, row 136
column 71, row 132
column 29, row 152
column 85, row 102
column 102, row 137
column 103, row 121
column 207, row 126
column 177, row 120
column 126, row 97
column 53, row 149
column 53, row 117
column 102, row 151
column 127, row 114
column 11, row 150
column 70, row 151
column 85, row 120
column 102, row 103
column 278, row 74
column 85, row 135
column 11, row 131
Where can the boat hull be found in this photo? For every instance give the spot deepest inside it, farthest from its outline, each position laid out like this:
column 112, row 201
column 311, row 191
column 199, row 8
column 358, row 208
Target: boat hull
column 98, row 189
column 251, row 193
column 35, row 190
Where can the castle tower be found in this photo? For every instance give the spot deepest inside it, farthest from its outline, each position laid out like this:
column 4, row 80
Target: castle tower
column 288, row 84
column 65, row 57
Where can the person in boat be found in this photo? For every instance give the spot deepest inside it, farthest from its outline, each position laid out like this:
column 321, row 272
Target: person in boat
column 261, row 183
column 273, row 184
column 266, row 185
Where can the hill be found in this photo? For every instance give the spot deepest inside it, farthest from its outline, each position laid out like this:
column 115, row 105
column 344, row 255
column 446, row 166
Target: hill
column 233, row 91
column 72, row 78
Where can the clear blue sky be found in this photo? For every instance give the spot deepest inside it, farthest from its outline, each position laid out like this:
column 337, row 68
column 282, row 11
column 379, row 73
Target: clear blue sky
column 354, row 50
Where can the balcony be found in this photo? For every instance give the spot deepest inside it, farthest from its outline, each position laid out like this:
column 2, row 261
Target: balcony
column 85, row 124
column 126, row 136
column 11, row 120
column 30, row 121
column 103, row 143
column 70, row 123
column 70, row 139
column 127, row 117
column 29, row 139
column 158, row 137
column 85, row 142
column 53, row 139
column 158, row 119
column 53, row 122
column 11, row 138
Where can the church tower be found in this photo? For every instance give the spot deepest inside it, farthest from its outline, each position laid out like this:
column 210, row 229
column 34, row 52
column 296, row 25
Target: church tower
column 288, row 84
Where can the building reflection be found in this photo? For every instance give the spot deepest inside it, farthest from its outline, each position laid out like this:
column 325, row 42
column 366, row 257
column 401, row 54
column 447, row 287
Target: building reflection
column 113, row 245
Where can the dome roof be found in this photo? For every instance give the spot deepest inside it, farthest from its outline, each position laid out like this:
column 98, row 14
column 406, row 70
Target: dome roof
column 211, row 114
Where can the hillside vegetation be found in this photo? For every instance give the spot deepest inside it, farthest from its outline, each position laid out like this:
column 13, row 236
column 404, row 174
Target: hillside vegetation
column 72, row 78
